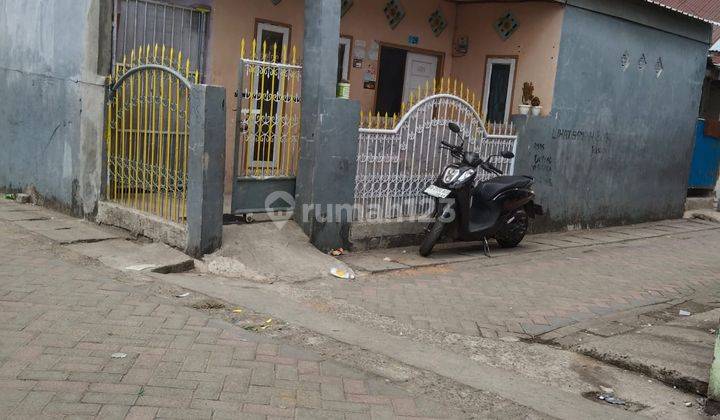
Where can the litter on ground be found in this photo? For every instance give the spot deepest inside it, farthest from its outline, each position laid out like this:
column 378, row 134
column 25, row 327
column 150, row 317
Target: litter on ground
column 140, row 267
column 611, row 399
column 341, row 273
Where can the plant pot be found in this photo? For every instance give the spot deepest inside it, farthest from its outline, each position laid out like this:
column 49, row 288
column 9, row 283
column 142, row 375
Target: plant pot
column 524, row 109
column 536, row 111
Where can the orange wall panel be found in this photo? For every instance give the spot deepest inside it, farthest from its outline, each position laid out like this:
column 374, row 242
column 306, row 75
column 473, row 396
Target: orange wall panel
column 536, row 43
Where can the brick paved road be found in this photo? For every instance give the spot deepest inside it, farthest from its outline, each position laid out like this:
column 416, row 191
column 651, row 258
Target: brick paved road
column 61, row 319
column 535, row 293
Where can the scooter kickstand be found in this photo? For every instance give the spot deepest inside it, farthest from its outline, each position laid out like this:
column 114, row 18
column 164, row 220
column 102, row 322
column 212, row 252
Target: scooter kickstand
column 486, row 248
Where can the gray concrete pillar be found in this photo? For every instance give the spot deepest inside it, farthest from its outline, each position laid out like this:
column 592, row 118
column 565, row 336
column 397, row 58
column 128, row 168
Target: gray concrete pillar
column 328, row 149
column 206, row 170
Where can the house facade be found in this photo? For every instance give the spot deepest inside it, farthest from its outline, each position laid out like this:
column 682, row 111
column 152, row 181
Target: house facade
column 383, row 60
column 618, row 84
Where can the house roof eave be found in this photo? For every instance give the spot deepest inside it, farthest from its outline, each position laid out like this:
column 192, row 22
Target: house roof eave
column 658, row 3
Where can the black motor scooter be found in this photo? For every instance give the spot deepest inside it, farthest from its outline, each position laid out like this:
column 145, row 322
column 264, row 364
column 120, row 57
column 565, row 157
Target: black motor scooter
column 468, row 211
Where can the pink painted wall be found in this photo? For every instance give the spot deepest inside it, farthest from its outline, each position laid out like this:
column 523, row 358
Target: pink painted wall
column 366, row 21
column 233, row 20
column 535, row 42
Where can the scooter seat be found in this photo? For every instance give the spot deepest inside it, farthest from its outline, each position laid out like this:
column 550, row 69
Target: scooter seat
column 492, row 187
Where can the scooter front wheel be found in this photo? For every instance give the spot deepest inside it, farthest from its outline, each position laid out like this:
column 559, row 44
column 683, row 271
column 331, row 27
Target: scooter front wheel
column 431, row 238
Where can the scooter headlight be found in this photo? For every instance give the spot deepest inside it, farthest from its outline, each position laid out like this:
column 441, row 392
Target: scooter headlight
column 451, row 174
column 466, row 175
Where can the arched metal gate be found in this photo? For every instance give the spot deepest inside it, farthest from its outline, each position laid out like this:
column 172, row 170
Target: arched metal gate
column 148, row 132
column 397, row 160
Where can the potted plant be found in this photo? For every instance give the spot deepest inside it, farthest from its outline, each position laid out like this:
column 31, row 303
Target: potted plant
column 536, row 108
column 527, row 98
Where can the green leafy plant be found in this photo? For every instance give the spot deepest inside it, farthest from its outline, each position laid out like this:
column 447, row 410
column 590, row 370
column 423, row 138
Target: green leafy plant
column 535, row 101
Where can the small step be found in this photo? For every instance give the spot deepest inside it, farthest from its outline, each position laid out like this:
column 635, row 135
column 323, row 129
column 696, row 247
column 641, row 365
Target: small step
column 699, row 203
column 126, row 255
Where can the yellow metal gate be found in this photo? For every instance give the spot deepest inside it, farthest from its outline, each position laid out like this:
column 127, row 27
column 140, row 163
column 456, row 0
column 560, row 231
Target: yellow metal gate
column 267, row 137
column 148, row 131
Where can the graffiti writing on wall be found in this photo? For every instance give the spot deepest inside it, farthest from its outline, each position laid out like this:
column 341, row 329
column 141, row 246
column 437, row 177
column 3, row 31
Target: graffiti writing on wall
column 542, row 164
column 580, row 135
column 597, row 140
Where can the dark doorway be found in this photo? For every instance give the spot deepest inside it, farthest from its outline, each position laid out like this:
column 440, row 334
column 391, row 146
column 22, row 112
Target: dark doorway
column 341, row 62
column 391, row 81
column 498, row 93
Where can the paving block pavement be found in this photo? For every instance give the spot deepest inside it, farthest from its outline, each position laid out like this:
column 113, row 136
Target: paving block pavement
column 62, row 318
column 582, row 276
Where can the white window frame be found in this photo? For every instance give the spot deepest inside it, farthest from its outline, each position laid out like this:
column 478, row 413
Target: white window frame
column 511, row 83
column 347, row 42
column 264, row 26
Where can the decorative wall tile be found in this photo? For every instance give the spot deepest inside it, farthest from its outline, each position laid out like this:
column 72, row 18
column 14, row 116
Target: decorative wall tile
column 506, row 25
column 437, row 22
column 345, row 6
column 394, row 12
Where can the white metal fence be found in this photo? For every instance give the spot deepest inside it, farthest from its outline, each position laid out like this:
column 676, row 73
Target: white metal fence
column 396, row 164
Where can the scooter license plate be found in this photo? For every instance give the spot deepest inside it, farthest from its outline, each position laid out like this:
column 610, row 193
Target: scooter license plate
column 435, row 191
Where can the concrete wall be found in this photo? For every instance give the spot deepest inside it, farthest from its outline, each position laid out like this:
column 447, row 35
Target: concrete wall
column 535, row 44
column 51, row 111
column 617, row 146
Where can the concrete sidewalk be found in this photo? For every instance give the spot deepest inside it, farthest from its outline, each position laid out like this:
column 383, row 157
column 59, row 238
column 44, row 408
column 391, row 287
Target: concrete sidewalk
column 113, row 247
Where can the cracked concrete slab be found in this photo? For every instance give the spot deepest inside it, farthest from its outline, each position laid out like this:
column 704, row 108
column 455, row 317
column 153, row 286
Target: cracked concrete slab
column 68, row 231
column 132, row 256
column 20, row 215
column 678, row 352
column 706, row 215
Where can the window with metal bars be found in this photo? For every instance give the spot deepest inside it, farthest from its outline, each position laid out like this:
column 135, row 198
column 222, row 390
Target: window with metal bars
column 139, row 23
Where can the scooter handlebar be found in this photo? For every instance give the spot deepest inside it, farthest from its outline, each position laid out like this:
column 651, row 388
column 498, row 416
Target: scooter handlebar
column 493, row 168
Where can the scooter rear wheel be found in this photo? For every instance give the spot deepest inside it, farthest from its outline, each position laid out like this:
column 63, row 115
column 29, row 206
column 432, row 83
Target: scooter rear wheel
column 431, row 238
column 513, row 233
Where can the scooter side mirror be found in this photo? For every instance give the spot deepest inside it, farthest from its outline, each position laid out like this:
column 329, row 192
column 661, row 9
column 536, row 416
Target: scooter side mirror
column 508, row 155
column 454, row 128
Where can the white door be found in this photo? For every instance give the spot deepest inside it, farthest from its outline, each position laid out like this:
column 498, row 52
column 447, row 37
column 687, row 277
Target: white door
column 419, row 69
column 499, row 82
column 267, row 128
